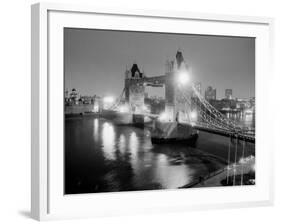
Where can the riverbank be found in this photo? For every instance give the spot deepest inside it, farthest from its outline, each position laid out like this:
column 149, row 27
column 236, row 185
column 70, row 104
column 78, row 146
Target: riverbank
column 242, row 173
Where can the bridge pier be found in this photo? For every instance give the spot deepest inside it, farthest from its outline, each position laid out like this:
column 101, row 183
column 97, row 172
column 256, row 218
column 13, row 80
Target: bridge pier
column 180, row 106
column 175, row 105
column 138, row 120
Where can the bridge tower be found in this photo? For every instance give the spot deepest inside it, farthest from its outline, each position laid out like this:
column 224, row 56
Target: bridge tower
column 134, row 89
column 175, row 106
column 170, row 91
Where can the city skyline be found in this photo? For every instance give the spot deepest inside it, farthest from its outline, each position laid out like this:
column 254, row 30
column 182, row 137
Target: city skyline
column 96, row 60
column 68, row 92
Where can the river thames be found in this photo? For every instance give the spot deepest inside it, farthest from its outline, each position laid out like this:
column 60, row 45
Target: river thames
column 101, row 156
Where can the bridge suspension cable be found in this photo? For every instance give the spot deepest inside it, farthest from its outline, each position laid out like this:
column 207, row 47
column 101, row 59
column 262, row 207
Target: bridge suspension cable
column 208, row 116
column 118, row 101
column 227, row 123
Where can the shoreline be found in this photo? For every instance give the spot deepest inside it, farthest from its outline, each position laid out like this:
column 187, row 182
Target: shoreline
column 228, row 174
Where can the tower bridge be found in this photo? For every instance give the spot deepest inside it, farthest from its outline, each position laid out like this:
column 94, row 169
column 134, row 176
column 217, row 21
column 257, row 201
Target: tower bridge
column 136, row 81
column 183, row 102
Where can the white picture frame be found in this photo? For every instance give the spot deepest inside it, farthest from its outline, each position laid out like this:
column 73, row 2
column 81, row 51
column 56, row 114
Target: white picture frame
column 47, row 199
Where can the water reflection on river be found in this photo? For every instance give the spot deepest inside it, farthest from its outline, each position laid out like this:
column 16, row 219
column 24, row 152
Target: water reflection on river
column 103, row 157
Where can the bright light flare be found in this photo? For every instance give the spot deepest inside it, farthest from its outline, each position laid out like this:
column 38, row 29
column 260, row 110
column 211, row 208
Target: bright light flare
column 193, row 115
column 183, row 77
column 123, row 109
column 108, row 99
column 146, row 109
column 163, row 117
column 96, row 108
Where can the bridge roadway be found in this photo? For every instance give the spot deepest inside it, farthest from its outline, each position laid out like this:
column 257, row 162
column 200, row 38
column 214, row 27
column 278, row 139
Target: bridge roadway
column 222, row 132
column 233, row 135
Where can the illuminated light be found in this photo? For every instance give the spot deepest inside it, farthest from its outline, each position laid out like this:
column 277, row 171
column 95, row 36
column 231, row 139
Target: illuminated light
column 183, row 77
column 122, row 143
column 108, row 99
column 108, row 102
column 147, row 119
column 193, row 115
column 249, row 112
column 163, row 117
column 108, row 140
column 96, row 129
column 96, row 109
column 123, row 109
column 133, row 144
column 146, row 109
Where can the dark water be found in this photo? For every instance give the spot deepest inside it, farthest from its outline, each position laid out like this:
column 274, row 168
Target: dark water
column 103, row 157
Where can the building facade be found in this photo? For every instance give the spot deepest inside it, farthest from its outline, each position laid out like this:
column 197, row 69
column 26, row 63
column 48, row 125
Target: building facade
column 228, row 94
column 210, row 93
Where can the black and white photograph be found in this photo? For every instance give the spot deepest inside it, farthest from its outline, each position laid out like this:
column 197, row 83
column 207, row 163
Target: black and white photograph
column 157, row 111
column 133, row 112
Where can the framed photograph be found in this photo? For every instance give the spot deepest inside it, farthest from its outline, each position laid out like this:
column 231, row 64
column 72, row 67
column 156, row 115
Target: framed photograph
column 148, row 111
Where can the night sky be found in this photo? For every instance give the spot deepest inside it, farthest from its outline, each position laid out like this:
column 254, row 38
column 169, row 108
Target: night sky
column 96, row 60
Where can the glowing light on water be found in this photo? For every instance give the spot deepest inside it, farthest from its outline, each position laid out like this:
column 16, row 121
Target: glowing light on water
column 122, row 143
column 108, row 139
column 134, row 144
column 172, row 176
column 96, row 129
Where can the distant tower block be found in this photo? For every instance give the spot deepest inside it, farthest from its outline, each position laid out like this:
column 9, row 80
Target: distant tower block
column 134, row 89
